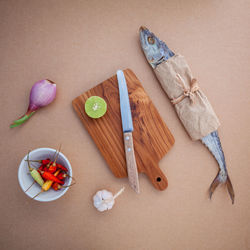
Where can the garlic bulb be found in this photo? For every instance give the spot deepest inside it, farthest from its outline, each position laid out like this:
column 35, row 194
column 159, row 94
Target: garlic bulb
column 104, row 200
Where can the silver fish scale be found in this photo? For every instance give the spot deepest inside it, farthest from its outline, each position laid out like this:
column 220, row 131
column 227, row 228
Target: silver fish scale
column 212, row 142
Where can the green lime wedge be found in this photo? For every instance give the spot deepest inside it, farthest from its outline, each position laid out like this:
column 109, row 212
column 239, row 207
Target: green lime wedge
column 95, row 107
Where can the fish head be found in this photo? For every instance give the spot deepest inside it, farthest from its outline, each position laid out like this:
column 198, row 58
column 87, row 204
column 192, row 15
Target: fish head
column 155, row 50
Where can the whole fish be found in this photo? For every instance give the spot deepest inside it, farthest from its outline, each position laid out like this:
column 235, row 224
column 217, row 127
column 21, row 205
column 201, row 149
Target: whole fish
column 157, row 52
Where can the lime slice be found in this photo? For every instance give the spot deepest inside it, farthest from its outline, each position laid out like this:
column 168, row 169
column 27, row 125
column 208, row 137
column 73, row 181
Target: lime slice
column 95, row 107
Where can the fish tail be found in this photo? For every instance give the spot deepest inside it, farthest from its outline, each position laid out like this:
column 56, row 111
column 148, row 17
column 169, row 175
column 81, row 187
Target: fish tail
column 221, row 178
column 230, row 189
column 214, row 185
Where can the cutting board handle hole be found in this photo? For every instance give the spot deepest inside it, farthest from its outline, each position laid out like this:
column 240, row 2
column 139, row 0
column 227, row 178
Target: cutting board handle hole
column 158, row 179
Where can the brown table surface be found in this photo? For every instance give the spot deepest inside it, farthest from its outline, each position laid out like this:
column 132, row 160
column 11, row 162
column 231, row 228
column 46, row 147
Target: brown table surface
column 78, row 44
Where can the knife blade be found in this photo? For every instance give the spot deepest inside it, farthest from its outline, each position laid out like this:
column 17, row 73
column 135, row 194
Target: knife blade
column 127, row 127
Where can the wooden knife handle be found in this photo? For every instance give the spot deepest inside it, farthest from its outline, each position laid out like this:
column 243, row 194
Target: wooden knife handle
column 131, row 162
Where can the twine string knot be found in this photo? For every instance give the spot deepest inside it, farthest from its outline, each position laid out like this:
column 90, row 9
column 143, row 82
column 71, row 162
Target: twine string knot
column 187, row 92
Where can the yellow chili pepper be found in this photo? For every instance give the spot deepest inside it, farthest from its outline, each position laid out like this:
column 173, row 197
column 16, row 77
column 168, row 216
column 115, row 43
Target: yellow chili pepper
column 47, row 184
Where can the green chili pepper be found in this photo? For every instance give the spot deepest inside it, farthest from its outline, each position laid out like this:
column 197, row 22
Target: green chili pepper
column 34, row 173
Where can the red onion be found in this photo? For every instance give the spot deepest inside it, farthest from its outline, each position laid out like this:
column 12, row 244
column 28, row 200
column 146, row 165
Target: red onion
column 42, row 93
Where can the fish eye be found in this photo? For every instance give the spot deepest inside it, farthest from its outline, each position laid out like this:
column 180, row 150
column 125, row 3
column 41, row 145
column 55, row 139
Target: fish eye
column 151, row 40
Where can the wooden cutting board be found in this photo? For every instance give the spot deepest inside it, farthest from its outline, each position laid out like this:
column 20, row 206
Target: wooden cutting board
column 152, row 138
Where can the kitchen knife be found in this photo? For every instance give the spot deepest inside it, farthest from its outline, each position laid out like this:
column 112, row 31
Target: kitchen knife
column 127, row 127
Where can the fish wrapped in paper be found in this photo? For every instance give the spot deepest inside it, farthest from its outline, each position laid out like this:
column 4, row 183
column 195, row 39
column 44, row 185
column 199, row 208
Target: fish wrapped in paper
column 192, row 106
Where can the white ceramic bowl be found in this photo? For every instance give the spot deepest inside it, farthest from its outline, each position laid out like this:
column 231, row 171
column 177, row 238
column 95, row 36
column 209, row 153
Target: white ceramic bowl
column 25, row 179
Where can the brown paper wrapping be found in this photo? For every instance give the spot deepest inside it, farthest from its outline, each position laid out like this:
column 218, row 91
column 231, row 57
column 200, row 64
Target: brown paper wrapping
column 197, row 116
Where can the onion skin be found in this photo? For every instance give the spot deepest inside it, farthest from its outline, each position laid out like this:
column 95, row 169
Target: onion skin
column 42, row 93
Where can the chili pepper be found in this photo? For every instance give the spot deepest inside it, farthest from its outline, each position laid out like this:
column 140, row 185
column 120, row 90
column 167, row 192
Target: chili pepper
column 61, row 167
column 61, row 176
column 50, row 182
column 57, row 154
column 48, row 161
column 47, row 184
column 51, row 177
column 43, row 162
column 52, row 169
column 34, row 173
column 41, row 167
column 56, row 186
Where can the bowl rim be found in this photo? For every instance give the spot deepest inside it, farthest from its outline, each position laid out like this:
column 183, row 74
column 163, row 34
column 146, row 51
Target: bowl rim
column 68, row 166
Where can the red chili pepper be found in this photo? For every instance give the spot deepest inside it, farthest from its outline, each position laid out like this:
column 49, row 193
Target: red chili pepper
column 52, row 169
column 41, row 167
column 45, row 162
column 56, row 186
column 51, row 177
column 61, row 167
column 62, row 176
